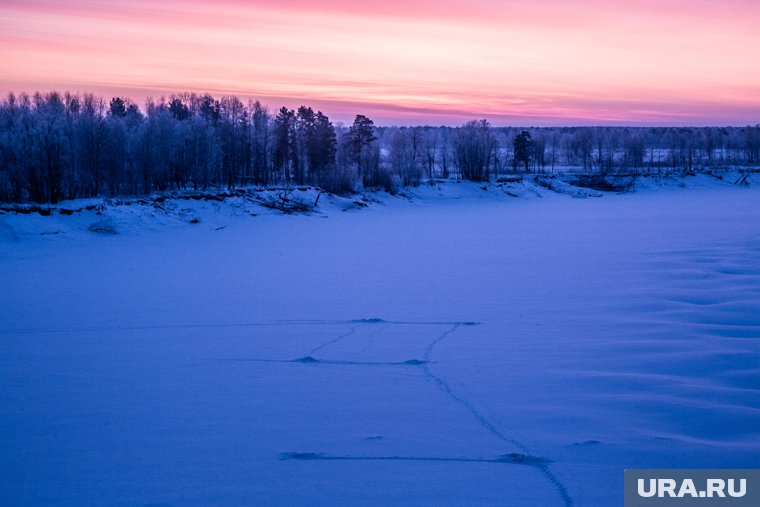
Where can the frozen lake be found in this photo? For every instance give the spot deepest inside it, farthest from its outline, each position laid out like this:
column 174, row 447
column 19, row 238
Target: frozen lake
column 444, row 351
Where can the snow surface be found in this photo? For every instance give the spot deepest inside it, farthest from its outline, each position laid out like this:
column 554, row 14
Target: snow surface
column 457, row 346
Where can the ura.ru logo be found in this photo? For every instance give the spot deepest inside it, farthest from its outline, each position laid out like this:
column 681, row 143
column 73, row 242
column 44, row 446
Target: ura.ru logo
column 714, row 488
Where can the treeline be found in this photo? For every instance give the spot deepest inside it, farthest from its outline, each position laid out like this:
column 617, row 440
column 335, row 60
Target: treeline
column 60, row 146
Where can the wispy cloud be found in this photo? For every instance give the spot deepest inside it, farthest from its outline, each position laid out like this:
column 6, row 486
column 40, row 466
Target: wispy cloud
column 413, row 61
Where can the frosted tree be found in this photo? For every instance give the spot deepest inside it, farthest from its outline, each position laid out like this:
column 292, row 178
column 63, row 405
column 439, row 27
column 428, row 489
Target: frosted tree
column 474, row 146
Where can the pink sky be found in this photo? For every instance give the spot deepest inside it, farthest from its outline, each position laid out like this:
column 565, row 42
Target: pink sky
column 516, row 62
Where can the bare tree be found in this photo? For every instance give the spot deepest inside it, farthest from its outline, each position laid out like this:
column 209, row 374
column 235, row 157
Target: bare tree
column 474, row 147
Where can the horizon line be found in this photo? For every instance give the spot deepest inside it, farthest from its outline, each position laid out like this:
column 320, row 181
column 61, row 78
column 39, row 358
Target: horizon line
column 453, row 120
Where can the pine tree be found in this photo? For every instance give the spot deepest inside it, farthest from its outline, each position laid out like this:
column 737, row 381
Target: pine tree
column 359, row 139
column 283, row 141
column 117, row 107
column 523, row 145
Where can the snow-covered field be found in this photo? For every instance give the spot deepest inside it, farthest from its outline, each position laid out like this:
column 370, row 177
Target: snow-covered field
column 471, row 349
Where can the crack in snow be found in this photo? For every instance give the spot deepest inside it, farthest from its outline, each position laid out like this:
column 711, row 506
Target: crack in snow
column 127, row 327
column 313, row 360
column 330, row 342
column 485, row 423
column 512, row 458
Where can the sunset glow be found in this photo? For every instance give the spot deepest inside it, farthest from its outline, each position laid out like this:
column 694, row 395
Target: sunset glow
column 405, row 61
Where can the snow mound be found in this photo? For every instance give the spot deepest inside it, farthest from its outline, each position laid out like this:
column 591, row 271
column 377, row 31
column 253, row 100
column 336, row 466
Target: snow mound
column 105, row 226
column 306, row 360
column 561, row 187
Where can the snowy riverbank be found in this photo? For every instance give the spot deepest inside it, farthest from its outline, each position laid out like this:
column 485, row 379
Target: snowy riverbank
column 216, row 209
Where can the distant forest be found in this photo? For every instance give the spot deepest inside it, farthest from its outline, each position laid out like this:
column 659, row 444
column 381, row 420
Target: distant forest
column 61, row 146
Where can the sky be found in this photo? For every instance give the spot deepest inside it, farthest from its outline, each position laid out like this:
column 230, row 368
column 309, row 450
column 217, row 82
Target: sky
column 405, row 62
